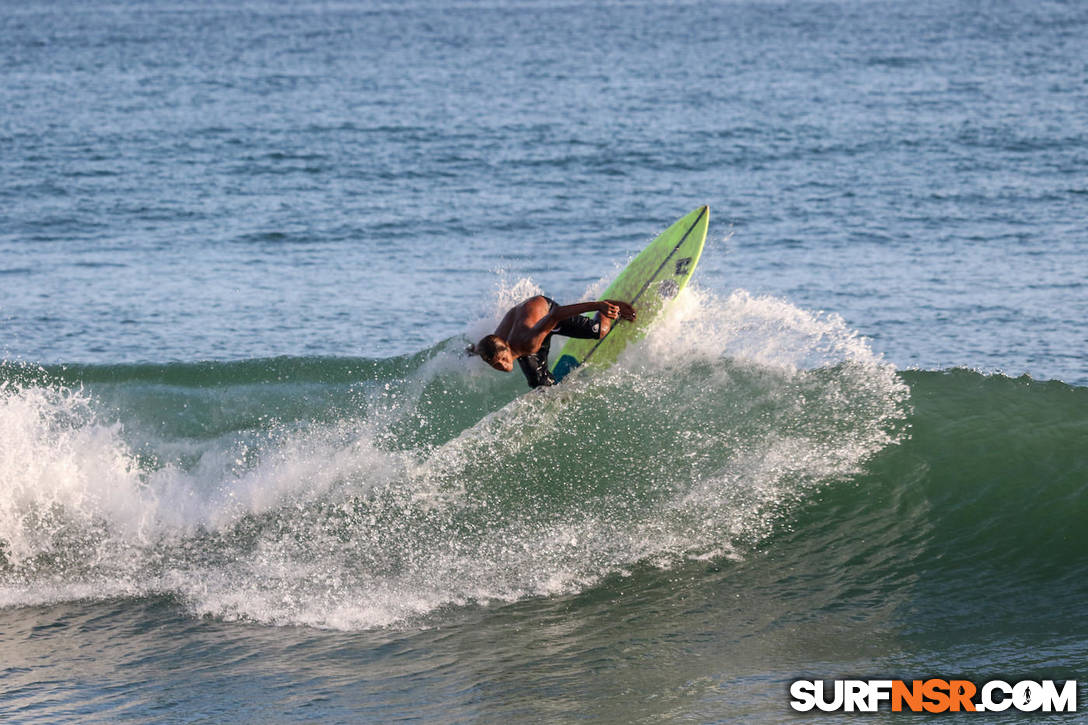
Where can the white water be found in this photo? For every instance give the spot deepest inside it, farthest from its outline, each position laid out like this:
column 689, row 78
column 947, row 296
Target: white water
column 694, row 445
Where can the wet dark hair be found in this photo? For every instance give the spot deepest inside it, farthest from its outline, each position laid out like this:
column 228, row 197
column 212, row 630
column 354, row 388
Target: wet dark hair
column 489, row 347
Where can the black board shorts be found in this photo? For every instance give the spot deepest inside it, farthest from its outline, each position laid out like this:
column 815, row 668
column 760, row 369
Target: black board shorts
column 535, row 366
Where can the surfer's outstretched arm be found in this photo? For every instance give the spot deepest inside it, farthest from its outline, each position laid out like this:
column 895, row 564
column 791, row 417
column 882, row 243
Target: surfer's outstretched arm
column 610, row 309
column 565, row 312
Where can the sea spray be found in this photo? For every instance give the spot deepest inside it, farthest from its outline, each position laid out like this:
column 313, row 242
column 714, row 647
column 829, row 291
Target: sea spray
column 367, row 501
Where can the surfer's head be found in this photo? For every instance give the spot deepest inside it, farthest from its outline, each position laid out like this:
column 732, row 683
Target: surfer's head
column 495, row 352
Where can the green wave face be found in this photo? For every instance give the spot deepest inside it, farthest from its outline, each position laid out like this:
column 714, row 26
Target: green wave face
column 648, row 283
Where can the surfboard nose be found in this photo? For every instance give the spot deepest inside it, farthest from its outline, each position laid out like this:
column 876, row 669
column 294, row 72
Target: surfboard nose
column 647, row 283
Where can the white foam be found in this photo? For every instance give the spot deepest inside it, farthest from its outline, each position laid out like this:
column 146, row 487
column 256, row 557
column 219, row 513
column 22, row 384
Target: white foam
column 765, row 331
column 54, row 455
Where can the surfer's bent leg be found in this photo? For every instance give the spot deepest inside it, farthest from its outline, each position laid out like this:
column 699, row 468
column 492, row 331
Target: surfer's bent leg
column 584, row 328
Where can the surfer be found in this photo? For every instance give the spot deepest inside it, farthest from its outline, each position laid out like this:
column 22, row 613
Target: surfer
column 525, row 333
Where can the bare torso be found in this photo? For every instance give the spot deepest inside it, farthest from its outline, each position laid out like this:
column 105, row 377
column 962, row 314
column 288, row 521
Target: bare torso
column 525, row 326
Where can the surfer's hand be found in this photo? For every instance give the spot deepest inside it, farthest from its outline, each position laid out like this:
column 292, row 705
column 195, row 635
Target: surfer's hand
column 609, row 310
column 627, row 312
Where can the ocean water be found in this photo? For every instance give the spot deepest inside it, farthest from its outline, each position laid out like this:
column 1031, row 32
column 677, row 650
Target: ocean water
column 246, row 473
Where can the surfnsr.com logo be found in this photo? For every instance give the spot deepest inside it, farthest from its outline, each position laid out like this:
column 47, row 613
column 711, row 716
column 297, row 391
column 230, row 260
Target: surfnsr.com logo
column 933, row 695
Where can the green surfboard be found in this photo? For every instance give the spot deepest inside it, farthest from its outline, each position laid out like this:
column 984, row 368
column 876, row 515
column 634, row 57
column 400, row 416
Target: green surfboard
column 648, row 283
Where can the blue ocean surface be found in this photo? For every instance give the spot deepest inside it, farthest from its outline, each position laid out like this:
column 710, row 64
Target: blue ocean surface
column 247, row 473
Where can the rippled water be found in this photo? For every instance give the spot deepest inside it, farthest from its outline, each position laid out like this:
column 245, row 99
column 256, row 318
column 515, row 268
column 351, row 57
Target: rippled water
column 244, row 473
column 187, row 181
